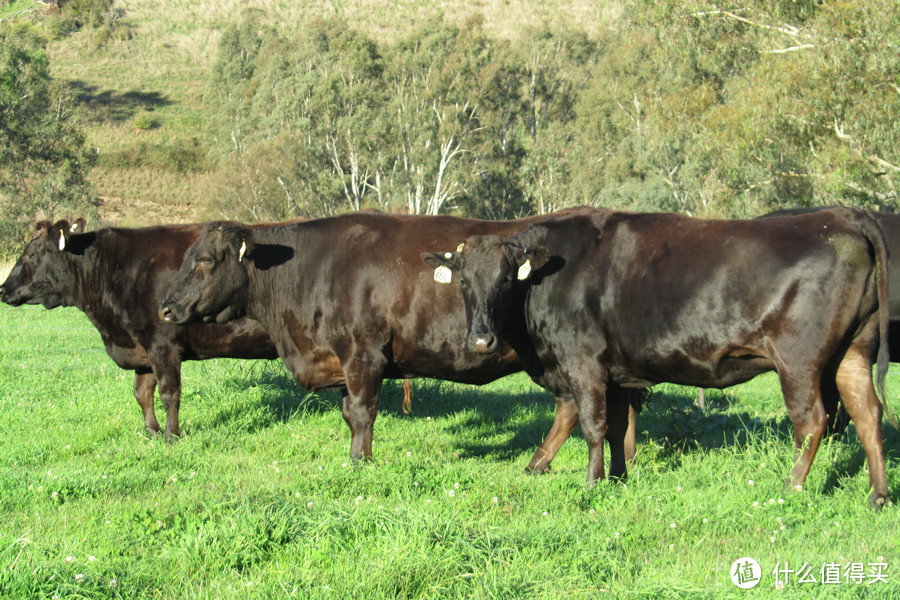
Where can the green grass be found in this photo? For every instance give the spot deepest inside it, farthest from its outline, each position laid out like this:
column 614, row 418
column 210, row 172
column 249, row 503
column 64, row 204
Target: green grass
column 258, row 499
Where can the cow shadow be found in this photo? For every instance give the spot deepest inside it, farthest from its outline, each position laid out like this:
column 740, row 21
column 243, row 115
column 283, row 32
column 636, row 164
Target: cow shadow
column 671, row 421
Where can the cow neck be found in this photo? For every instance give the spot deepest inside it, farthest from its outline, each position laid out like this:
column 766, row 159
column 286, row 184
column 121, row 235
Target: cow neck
column 263, row 283
column 98, row 273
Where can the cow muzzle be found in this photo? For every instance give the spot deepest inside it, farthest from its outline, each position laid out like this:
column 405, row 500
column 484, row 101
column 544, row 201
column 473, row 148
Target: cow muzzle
column 170, row 313
column 483, row 343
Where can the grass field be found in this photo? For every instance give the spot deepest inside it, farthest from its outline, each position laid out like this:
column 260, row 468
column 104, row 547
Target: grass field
column 258, row 499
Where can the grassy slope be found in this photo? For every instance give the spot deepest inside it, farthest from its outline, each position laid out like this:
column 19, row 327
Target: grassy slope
column 163, row 68
column 257, row 499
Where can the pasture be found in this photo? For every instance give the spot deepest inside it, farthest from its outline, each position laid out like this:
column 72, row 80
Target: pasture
column 258, row 498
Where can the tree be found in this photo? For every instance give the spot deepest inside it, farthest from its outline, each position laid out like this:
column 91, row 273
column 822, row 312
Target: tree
column 44, row 160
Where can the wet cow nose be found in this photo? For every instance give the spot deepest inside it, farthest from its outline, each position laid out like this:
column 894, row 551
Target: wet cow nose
column 482, row 343
column 165, row 313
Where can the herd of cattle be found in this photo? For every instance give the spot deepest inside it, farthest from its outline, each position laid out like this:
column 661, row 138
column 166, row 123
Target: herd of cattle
column 595, row 305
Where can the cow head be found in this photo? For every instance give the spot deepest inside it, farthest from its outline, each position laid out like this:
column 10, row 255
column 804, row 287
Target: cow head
column 42, row 274
column 489, row 270
column 212, row 283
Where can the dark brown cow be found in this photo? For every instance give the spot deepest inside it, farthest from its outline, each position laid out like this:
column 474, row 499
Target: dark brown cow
column 890, row 226
column 638, row 299
column 118, row 277
column 348, row 303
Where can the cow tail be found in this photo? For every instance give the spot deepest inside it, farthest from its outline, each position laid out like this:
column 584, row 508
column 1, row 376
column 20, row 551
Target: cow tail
column 875, row 236
column 407, row 396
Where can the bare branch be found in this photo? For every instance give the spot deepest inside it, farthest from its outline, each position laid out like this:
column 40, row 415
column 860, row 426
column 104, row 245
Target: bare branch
column 786, row 50
column 786, row 29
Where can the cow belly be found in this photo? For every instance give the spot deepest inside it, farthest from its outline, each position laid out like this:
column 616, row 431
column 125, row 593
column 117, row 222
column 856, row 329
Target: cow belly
column 128, row 358
column 724, row 370
column 315, row 370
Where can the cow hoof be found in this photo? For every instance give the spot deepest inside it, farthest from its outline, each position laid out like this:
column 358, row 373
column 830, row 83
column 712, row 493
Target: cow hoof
column 877, row 502
column 540, row 469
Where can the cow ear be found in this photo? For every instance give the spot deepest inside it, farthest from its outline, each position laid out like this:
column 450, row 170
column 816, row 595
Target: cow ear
column 79, row 226
column 244, row 243
column 448, row 260
column 530, row 259
column 60, row 234
column 42, row 229
column 538, row 256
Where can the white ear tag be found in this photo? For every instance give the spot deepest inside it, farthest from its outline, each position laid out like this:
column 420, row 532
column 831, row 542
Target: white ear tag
column 443, row 275
column 243, row 250
column 62, row 241
column 524, row 270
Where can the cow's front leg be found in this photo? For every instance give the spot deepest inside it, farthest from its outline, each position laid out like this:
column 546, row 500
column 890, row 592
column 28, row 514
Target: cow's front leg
column 589, row 390
column 359, row 408
column 144, row 387
column 168, row 377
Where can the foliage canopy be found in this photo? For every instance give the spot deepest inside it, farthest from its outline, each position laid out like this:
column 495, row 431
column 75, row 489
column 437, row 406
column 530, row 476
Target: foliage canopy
column 677, row 106
column 44, row 161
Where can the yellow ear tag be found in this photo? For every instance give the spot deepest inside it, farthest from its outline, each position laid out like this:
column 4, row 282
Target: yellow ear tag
column 443, row 275
column 524, row 270
column 62, row 241
column 243, row 250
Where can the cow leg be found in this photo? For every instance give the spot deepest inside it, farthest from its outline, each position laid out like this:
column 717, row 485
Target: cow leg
column 631, row 397
column 589, row 390
column 360, row 407
column 854, row 381
column 563, row 424
column 620, row 420
column 804, row 405
column 144, row 386
column 169, row 382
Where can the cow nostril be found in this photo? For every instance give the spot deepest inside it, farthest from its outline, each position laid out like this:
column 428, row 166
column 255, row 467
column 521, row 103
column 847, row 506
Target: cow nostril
column 483, row 344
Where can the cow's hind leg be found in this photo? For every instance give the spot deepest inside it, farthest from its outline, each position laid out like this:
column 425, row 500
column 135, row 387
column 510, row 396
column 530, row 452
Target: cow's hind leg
column 563, row 424
column 621, row 422
column 854, row 381
column 144, row 387
column 803, row 401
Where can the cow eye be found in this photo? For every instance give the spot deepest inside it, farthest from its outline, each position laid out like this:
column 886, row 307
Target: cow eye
column 204, row 261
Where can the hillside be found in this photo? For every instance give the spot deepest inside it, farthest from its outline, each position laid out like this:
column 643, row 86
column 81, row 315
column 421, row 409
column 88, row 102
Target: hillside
column 160, row 71
column 272, row 110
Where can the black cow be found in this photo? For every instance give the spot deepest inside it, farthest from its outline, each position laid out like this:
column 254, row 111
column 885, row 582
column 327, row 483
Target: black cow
column 348, row 303
column 638, row 299
column 118, row 277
